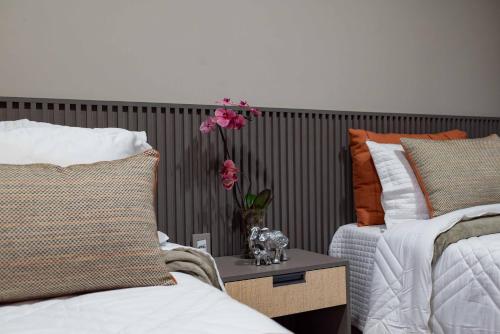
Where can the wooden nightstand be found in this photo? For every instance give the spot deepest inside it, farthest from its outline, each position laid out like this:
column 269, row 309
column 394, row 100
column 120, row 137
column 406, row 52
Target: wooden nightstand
column 306, row 294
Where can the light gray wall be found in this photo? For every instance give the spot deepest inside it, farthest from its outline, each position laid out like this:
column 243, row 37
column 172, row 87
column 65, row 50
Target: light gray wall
column 415, row 56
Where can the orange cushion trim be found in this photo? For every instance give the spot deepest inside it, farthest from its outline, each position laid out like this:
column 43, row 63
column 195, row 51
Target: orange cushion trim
column 367, row 188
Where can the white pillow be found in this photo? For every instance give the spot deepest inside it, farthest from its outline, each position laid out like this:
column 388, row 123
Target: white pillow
column 22, row 123
column 26, row 123
column 402, row 198
column 162, row 237
column 26, row 142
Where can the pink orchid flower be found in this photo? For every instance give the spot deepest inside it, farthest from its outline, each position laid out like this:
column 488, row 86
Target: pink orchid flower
column 223, row 117
column 237, row 122
column 229, row 168
column 225, row 102
column 208, row 125
column 228, row 174
column 228, row 184
column 226, row 117
column 256, row 112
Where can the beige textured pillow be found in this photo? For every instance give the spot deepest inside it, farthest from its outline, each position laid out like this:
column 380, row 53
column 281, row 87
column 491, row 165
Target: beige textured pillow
column 79, row 228
column 456, row 174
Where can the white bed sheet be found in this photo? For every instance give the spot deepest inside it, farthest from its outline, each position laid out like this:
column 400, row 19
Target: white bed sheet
column 191, row 306
column 358, row 245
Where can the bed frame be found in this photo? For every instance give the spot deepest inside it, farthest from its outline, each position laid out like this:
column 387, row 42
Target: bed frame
column 301, row 154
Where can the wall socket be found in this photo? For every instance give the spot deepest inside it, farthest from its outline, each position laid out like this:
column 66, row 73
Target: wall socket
column 202, row 242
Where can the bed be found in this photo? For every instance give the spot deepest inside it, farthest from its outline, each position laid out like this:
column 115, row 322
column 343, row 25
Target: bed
column 457, row 291
column 191, row 306
column 464, row 292
column 80, row 248
column 435, row 270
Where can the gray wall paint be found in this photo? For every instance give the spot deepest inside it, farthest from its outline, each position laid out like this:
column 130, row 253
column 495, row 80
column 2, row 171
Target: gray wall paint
column 411, row 56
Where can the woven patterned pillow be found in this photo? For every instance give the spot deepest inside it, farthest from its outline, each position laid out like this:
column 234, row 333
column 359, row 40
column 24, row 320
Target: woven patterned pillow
column 456, row 174
column 79, row 228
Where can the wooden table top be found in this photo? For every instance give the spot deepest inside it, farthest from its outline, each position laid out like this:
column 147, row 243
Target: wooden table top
column 237, row 268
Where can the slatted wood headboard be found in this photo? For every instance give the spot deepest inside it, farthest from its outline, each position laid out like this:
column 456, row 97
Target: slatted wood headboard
column 301, row 154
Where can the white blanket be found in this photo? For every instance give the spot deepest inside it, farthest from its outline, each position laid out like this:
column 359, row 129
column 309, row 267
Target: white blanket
column 190, row 307
column 466, row 279
column 466, row 287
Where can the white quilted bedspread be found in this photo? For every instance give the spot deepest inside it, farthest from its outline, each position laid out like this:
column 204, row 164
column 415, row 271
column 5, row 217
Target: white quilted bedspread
column 466, row 290
column 459, row 295
column 357, row 245
column 190, row 307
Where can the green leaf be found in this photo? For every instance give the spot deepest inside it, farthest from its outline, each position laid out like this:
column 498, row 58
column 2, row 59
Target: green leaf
column 249, row 200
column 262, row 200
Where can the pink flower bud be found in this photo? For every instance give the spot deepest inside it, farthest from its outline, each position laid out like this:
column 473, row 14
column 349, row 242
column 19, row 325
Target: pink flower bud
column 225, row 102
column 256, row 112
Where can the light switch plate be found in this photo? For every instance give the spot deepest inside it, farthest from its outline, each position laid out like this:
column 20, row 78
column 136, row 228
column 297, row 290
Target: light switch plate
column 202, row 242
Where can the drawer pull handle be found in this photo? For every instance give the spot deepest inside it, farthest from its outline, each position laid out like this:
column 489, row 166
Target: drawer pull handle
column 287, row 279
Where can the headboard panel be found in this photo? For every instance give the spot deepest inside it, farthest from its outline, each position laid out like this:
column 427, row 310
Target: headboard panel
column 301, row 154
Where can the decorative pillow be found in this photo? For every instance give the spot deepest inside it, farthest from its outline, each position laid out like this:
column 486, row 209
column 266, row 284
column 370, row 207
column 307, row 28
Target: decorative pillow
column 401, row 198
column 456, row 174
column 367, row 188
column 78, row 229
column 27, row 142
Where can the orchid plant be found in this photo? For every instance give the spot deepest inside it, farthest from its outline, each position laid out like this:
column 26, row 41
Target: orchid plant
column 227, row 118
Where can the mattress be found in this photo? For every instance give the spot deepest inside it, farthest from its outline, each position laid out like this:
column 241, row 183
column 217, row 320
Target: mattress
column 358, row 245
column 188, row 307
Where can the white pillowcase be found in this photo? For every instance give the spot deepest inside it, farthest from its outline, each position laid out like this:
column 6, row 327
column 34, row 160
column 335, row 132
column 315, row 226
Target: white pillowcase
column 26, row 142
column 162, row 238
column 402, row 198
column 22, row 123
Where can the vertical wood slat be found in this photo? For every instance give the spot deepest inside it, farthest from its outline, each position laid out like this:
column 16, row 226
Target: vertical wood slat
column 302, row 155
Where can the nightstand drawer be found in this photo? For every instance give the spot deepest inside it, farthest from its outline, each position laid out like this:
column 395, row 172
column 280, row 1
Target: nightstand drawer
column 321, row 288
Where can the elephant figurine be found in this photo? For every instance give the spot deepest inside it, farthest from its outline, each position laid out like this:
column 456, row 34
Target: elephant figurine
column 272, row 241
column 262, row 256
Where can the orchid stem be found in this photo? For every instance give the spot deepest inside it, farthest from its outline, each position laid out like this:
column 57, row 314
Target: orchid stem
column 224, row 141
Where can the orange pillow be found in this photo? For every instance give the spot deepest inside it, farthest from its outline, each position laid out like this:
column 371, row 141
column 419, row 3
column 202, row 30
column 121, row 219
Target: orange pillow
column 367, row 188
